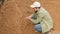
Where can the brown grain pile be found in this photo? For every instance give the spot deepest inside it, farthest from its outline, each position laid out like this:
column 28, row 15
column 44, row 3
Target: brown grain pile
column 13, row 12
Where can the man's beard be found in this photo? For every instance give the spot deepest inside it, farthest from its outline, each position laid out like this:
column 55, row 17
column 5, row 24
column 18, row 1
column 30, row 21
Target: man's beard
column 36, row 11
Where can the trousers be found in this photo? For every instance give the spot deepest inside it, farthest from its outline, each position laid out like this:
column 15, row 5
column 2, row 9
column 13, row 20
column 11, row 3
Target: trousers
column 38, row 27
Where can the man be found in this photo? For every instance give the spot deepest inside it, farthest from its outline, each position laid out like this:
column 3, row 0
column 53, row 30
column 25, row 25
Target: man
column 1, row 3
column 41, row 18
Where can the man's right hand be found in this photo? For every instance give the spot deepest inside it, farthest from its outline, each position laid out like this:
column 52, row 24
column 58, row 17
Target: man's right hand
column 29, row 17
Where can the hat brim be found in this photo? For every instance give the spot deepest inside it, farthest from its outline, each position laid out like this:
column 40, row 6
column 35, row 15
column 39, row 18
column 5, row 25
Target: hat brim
column 32, row 6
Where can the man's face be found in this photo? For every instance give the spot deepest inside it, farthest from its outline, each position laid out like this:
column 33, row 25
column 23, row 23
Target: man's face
column 36, row 8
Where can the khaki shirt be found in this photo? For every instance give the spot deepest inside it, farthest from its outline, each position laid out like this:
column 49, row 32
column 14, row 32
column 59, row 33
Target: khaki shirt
column 44, row 18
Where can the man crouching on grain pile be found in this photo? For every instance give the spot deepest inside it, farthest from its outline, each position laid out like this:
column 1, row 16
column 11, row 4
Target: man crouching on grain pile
column 41, row 18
